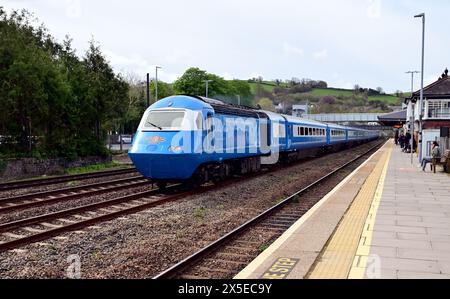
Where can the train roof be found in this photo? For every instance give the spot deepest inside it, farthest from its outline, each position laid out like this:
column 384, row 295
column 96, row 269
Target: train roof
column 181, row 101
column 231, row 109
column 303, row 120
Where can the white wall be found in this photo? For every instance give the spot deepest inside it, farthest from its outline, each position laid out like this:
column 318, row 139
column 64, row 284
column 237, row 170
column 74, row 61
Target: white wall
column 428, row 137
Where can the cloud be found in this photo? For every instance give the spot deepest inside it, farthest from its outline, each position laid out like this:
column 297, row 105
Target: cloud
column 137, row 64
column 321, row 55
column 289, row 49
column 374, row 9
column 228, row 76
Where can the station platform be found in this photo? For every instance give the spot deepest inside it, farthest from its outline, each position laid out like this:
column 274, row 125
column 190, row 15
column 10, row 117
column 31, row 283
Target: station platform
column 386, row 220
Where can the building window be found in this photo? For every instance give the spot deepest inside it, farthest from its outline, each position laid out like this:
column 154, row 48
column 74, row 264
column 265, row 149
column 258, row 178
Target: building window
column 439, row 109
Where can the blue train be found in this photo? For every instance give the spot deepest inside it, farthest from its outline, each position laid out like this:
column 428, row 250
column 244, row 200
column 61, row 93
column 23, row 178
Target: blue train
column 195, row 139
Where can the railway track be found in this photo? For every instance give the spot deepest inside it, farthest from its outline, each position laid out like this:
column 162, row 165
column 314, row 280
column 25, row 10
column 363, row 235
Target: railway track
column 62, row 179
column 32, row 200
column 16, row 234
column 227, row 256
column 35, row 229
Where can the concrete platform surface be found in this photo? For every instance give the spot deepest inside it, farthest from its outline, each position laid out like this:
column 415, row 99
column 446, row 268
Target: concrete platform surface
column 388, row 219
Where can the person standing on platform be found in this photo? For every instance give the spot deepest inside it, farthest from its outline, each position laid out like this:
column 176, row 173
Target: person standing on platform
column 407, row 142
column 401, row 140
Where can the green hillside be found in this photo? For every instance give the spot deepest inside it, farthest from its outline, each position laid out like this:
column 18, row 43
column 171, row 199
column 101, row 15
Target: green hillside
column 266, row 85
column 335, row 92
column 388, row 99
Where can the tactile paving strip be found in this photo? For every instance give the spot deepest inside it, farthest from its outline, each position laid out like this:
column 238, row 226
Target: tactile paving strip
column 338, row 256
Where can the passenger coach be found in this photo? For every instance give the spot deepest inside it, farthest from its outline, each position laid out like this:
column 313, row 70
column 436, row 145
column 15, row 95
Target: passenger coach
column 195, row 139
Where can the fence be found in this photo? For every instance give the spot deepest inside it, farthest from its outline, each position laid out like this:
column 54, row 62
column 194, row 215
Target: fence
column 118, row 142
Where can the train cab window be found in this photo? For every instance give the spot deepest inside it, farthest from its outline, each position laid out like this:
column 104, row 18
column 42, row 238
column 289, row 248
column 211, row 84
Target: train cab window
column 165, row 120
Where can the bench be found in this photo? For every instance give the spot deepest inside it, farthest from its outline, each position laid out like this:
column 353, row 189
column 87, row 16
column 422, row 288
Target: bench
column 444, row 161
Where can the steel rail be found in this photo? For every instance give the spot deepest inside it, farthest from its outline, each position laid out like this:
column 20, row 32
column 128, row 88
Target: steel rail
column 61, row 179
column 194, row 258
column 83, row 223
column 114, row 186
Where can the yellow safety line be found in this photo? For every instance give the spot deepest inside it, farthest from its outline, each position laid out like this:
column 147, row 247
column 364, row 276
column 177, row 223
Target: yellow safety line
column 337, row 257
column 255, row 264
column 359, row 267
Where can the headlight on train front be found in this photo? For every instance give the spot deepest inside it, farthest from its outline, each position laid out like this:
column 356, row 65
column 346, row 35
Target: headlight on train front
column 175, row 149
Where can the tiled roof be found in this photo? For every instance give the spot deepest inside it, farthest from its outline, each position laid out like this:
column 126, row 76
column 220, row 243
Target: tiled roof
column 440, row 88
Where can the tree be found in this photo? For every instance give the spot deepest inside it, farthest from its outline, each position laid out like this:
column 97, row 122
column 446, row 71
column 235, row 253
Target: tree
column 399, row 94
column 137, row 103
column 380, row 90
column 106, row 91
column 53, row 104
column 321, row 84
column 164, row 90
column 266, row 104
column 192, row 82
column 328, row 100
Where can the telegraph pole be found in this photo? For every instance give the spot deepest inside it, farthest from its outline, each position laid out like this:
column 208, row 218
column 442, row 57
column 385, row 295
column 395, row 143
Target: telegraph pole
column 156, row 84
column 148, row 90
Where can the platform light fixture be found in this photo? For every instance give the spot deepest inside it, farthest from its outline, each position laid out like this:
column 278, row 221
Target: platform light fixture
column 207, row 86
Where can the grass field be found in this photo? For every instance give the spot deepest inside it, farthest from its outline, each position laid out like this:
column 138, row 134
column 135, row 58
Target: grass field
column 267, row 87
column 388, row 99
column 322, row 92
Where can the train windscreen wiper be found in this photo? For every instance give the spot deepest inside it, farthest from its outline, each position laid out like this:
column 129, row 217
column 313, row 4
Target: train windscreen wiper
column 153, row 125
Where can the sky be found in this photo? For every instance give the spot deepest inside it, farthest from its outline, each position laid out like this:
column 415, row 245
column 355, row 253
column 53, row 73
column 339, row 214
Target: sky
column 344, row 42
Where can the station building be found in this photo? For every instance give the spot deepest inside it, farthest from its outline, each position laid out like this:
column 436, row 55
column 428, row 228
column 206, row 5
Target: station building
column 436, row 115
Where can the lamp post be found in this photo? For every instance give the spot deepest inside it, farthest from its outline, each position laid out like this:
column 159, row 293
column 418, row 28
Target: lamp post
column 207, row 86
column 156, row 83
column 422, row 15
column 413, row 114
column 148, row 90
